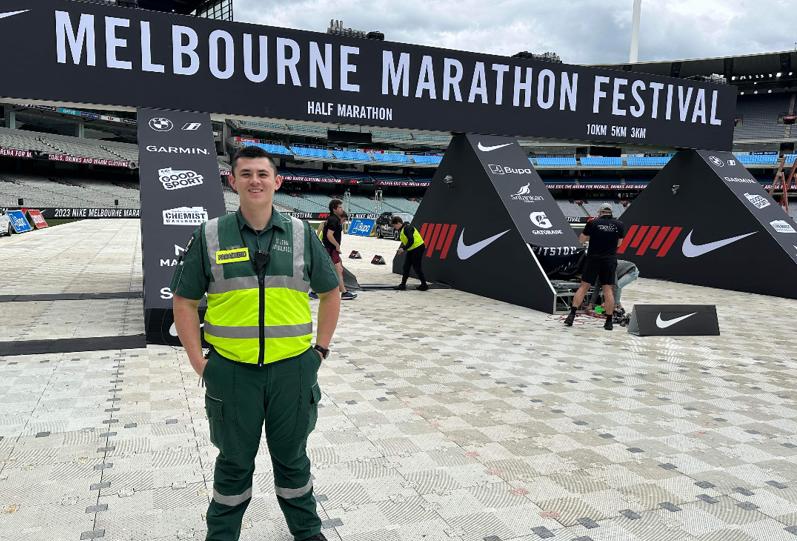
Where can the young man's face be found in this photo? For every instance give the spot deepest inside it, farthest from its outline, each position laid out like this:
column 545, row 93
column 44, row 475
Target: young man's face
column 255, row 181
column 338, row 211
column 397, row 226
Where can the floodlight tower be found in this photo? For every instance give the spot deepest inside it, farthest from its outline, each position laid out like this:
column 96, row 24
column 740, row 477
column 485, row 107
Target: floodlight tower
column 633, row 55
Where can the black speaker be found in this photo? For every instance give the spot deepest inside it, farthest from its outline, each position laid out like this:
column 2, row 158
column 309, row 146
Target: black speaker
column 116, row 202
column 20, row 201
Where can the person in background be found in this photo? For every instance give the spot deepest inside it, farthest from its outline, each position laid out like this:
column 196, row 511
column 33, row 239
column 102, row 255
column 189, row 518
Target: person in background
column 626, row 273
column 604, row 234
column 332, row 236
column 412, row 244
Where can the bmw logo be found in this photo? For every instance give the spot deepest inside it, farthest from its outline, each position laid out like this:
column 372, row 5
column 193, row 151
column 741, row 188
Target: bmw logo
column 716, row 161
column 161, row 124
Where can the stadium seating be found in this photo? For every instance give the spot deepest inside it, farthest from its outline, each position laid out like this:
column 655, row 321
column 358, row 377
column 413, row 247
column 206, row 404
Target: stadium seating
column 391, row 157
column 601, row 161
column 757, row 159
column 352, row 155
column 312, row 152
column 426, row 159
column 646, row 161
column 22, row 140
column 272, row 148
column 45, row 192
column 76, row 146
column 790, row 158
column 555, row 161
column 758, row 117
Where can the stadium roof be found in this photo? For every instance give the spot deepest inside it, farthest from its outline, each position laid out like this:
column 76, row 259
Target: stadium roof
column 729, row 66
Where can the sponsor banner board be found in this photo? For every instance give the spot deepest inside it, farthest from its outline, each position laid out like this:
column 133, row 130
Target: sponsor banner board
column 37, row 219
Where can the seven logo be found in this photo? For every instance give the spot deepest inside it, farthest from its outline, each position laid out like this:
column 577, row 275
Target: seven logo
column 716, row 161
column 757, row 201
column 540, row 219
column 176, row 179
column 524, row 194
column 782, row 226
column 161, row 124
column 185, row 216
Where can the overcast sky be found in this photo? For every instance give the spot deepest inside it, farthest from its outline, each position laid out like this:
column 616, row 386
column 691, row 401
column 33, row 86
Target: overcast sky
column 580, row 31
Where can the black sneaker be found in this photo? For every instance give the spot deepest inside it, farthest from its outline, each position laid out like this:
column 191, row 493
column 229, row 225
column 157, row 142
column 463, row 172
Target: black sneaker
column 401, row 287
column 608, row 324
column 316, row 537
column 569, row 319
column 423, row 287
column 348, row 296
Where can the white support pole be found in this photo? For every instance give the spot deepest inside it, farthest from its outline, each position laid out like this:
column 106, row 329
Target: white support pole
column 633, row 55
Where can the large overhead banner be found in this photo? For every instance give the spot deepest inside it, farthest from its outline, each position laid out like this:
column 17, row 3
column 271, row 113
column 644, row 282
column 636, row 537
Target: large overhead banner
column 103, row 54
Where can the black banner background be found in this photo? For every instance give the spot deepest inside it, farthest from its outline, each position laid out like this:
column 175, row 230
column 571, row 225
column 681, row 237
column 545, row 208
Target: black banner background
column 111, row 81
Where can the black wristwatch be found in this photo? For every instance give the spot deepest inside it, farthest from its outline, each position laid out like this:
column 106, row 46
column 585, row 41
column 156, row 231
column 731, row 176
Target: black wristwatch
column 322, row 350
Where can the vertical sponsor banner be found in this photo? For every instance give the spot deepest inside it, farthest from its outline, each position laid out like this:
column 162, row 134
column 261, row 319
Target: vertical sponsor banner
column 180, row 189
column 705, row 220
column 478, row 238
column 37, row 219
column 18, row 221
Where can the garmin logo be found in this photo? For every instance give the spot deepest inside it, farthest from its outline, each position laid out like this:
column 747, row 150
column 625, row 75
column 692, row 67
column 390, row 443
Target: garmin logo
column 177, row 150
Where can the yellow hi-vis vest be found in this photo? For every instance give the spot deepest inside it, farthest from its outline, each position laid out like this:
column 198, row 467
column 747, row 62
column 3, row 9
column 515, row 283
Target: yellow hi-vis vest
column 417, row 240
column 236, row 304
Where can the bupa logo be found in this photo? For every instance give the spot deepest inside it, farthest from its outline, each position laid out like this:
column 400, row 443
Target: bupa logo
column 716, row 161
column 496, row 169
column 662, row 238
column 161, row 124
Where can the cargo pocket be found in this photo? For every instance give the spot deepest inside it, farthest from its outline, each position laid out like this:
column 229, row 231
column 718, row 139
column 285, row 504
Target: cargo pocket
column 315, row 398
column 215, row 410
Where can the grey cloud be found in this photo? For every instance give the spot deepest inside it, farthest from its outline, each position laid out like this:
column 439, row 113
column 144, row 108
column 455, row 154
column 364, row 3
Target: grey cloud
column 581, row 31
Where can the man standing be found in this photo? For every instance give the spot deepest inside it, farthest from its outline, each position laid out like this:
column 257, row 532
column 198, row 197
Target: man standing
column 604, row 234
column 256, row 266
column 332, row 236
column 412, row 244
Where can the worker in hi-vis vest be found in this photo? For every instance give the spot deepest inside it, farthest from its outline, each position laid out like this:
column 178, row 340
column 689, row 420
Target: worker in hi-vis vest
column 412, row 244
column 256, row 267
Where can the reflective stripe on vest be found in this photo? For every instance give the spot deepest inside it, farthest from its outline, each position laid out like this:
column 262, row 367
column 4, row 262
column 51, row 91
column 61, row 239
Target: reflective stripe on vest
column 231, row 321
column 417, row 240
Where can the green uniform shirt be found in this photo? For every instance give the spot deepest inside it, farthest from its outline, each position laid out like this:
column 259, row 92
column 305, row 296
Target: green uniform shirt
column 192, row 276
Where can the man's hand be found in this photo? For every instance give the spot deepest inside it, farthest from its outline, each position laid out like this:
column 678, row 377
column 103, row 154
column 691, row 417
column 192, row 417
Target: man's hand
column 186, row 321
column 400, row 251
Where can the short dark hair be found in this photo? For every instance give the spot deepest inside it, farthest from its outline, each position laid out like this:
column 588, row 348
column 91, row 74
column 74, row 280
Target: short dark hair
column 335, row 203
column 253, row 152
column 395, row 220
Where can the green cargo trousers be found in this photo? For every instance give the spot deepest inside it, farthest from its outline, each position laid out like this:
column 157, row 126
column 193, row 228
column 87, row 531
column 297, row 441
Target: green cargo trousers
column 240, row 400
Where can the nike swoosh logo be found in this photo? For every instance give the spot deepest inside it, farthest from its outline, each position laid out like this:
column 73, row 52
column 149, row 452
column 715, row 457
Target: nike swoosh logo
column 465, row 251
column 663, row 324
column 490, row 149
column 690, row 249
column 12, row 13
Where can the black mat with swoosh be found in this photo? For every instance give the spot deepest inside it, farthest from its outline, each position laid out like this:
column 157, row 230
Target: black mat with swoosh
column 71, row 345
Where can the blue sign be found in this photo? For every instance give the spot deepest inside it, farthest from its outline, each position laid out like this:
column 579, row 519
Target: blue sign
column 361, row 227
column 18, row 221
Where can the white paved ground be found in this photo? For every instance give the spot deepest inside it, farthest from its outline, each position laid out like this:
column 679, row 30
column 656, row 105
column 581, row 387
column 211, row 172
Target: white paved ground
column 445, row 416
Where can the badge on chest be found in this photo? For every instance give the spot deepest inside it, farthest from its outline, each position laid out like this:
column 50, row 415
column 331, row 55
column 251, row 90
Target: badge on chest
column 236, row 255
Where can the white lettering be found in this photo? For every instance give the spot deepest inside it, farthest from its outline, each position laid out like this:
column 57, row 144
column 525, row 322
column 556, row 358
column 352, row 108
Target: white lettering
column 346, row 68
column 599, row 93
column 181, row 50
column 113, row 42
column 500, row 70
column 85, row 37
column 700, row 107
column 478, row 85
column 452, row 81
column 654, row 110
column 639, row 109
column 714, row 120
column 684, row 101
column 569, row 91
column 287, row 62
column 618, row 96
column 320, row 65
column 146, row 51
column 216, row 37
column 249, row 58
column 426, row 79
column 395, row 74
column 546, row 102
column 522, row 85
